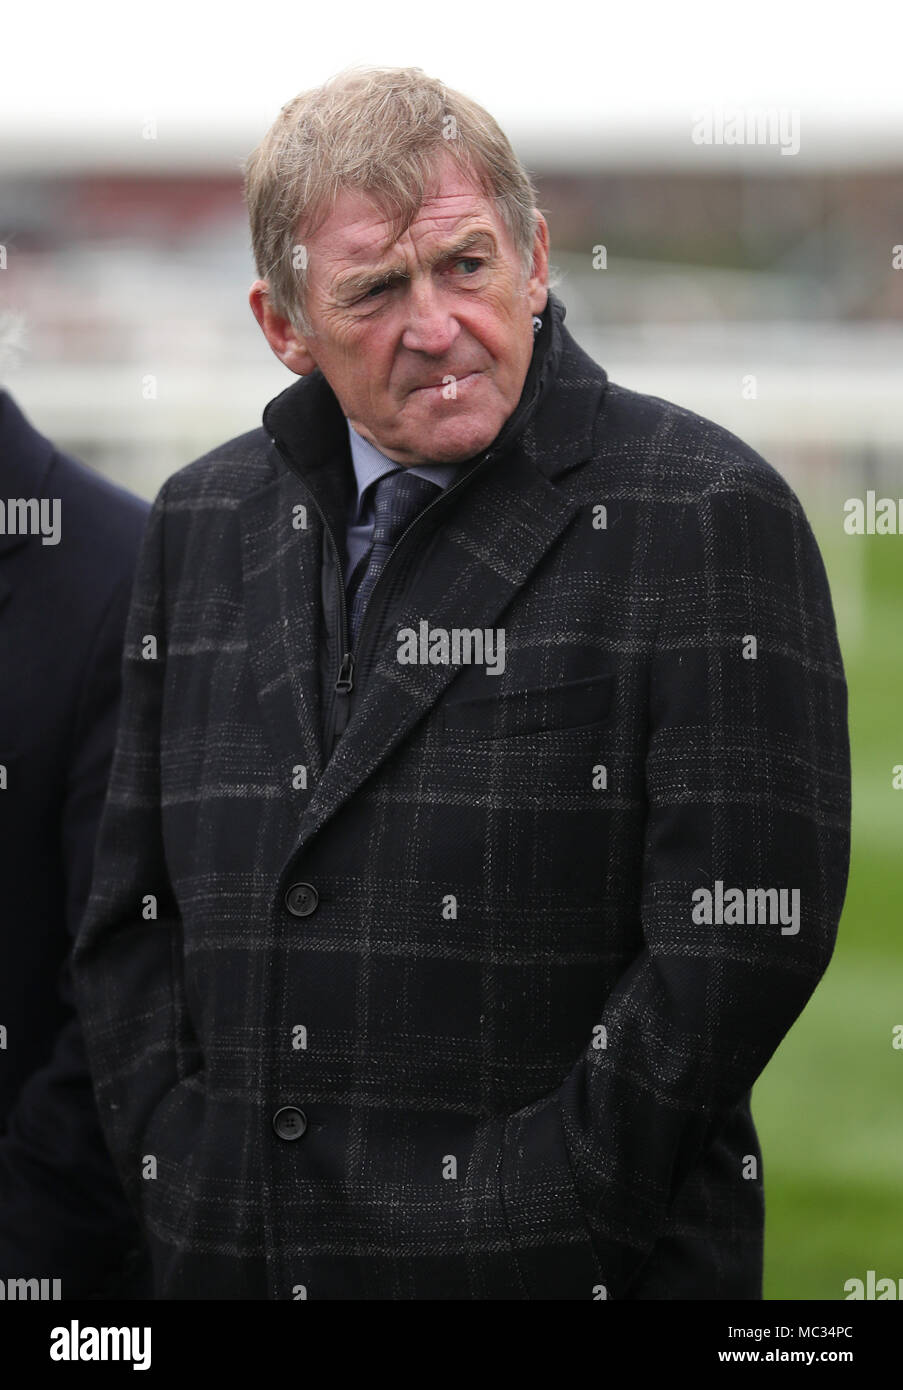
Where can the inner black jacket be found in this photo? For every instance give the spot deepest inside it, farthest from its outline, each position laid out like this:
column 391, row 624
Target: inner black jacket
column 523, row 1071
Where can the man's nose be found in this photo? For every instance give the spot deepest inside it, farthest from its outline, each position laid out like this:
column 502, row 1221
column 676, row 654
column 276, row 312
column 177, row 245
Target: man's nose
column 430, row 326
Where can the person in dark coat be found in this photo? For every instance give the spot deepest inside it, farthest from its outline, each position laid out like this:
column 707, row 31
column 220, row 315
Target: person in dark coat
column 69, row 540
column 479, row 817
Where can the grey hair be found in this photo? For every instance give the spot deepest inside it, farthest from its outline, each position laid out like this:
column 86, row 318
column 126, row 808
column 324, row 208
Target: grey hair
column 382, row 132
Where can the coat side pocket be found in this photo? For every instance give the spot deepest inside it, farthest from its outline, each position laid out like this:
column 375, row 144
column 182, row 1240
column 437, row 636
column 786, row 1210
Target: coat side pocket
column 550, row 1235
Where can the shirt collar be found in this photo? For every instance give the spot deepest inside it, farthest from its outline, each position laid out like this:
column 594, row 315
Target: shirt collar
column 370, row 464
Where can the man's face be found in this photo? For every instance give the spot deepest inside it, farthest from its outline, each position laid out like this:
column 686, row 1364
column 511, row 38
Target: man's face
column 448, row 300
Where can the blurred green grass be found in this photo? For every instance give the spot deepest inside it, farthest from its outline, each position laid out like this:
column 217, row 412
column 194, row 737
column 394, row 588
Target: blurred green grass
column 829, row 1106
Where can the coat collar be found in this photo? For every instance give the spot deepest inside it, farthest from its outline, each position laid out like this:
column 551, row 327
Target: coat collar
column 505, row 519
column 25, row 457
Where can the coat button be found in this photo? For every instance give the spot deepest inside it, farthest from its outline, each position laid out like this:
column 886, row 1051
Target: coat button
column 290, row 1122
column 301, row 899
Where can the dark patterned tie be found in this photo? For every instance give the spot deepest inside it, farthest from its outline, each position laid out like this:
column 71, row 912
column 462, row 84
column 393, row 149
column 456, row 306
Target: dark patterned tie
column 397, row 498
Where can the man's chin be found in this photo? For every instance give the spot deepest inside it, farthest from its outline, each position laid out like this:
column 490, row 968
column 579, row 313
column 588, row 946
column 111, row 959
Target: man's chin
column 449, row 441
column 450, row 453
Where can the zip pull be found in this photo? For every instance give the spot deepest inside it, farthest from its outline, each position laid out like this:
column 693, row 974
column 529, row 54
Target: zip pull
column 344, row 682
column 342, row 687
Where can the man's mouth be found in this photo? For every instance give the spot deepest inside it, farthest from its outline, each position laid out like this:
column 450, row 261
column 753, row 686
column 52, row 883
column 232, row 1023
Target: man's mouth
column 449, row 382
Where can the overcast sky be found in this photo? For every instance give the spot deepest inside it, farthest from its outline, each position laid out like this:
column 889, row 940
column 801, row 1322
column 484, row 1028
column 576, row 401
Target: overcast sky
column 590, row 79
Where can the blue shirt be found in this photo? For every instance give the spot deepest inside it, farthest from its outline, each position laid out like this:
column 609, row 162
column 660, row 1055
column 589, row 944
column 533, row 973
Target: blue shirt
column 370, row 464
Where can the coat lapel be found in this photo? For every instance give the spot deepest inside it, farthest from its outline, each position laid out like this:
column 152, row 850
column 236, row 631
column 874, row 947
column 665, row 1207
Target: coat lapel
column 482, row 556
column 281, row 570
column 283, row 545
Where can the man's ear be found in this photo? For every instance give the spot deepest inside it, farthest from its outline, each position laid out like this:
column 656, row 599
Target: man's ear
column 537, row 284
column 288, row 345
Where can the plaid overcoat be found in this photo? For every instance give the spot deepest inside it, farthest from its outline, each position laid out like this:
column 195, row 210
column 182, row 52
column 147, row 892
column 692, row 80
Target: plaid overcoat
column 394, row 976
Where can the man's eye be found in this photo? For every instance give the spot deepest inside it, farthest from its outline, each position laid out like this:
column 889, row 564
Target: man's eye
column 376, row 290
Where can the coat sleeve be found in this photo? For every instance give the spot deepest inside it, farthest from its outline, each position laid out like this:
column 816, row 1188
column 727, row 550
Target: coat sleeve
column 747, row 782
column 127, row 959
column 62, row 1210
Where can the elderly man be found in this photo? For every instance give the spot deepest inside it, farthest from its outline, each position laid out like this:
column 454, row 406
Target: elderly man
column 478, row 824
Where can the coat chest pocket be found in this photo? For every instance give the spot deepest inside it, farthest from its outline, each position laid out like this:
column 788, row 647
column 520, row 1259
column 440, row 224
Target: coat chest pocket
column 513, row 712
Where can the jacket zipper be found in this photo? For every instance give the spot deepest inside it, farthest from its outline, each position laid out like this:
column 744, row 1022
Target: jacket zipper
column 340, row 702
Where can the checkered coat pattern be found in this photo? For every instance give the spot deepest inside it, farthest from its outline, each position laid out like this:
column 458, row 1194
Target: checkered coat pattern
column 516, row 1064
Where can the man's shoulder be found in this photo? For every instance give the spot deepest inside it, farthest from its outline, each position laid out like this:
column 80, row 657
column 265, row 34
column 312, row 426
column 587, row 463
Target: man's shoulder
column 679, row 454
column 226, row 474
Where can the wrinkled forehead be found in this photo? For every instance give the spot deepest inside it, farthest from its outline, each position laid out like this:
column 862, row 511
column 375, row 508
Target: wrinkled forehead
column 358, row 228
